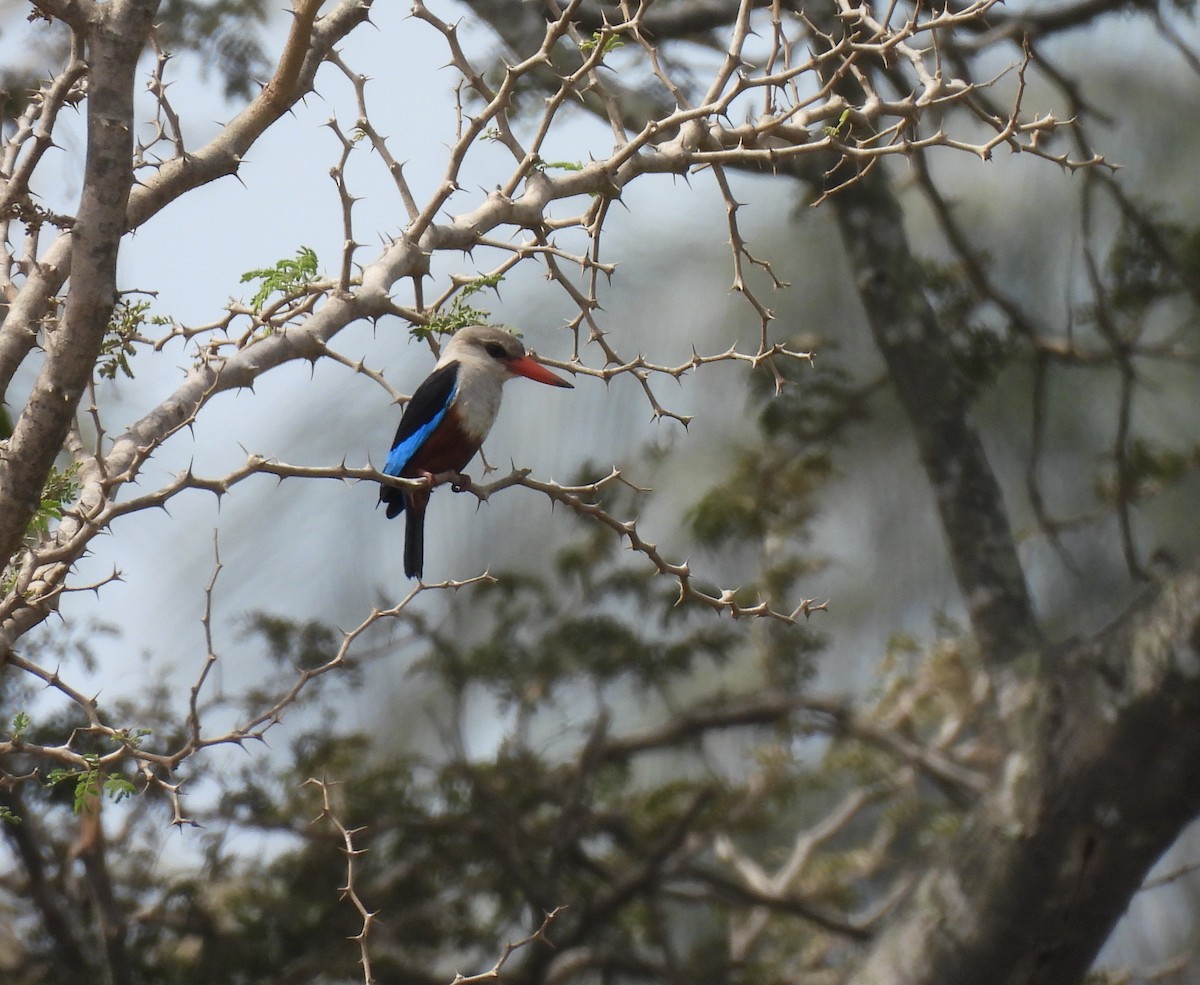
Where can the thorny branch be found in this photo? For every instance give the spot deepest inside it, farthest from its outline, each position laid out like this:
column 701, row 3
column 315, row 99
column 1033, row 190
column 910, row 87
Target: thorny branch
column 493, row 973
column 350, row 889
column 332, row 813
column 549, row 213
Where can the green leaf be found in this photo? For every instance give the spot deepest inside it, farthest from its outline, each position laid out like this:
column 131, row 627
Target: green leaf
column 60, row 488
column 20, row 723
column 288, row 276
column 559, row 165
column 91, row 783
column 124, row 332
column 841, row 123
column 118, row 787
column 460, row 314
column 610, row 41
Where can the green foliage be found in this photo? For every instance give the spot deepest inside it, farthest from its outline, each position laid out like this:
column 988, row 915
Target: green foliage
column 1146, row 262
column 610, row 42
column 842, row 124
column 305, row 645
column 225, row 37
column 543, row 643
column 296, row 646
column 118, row 787
column 20, row 722
column 123, row 335
column 727, row 513
column 89, row 784
column 61, row 488
column 1155, row 466
column 768, row 494
column 558, row 165
column 578, row 739
column 461, row 313
column 619, row 762
column 980, row 348
column 288, row 277
column 1150, row 468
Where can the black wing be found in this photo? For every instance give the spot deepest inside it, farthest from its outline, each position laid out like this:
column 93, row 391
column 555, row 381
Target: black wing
column 422, row 414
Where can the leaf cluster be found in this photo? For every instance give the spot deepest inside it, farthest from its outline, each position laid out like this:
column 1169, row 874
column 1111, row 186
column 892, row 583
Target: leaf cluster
column 89, row 784
column 289, row 276
column 461, row 313
column 605, row 40
column 61, row 489
column 769, row 495
column 224, row 34
column 227, row 36
column 981, row 347
column 619, row 767
column 1149, row 468
column 1149, row 261
column 123, row 335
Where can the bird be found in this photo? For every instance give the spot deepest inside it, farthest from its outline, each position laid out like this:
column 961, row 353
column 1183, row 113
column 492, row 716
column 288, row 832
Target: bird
column 445, row 422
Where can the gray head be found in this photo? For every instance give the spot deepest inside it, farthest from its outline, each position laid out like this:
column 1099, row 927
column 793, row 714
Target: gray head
column 482, row 340
column 495, row 351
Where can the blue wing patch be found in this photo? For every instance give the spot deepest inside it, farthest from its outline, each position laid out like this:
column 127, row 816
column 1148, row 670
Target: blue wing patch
column 423, row 414
column 402, row 454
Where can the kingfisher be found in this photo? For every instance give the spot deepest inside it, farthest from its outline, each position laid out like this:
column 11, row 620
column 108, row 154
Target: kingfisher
column 447, row 419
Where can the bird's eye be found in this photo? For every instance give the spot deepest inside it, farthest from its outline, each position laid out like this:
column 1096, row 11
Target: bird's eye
column 496, row 350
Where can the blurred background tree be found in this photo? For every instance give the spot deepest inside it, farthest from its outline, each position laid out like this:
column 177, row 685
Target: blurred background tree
column 941, row 725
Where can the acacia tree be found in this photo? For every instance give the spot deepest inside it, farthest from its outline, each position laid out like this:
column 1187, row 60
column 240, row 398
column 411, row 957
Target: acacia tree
column 1050, row 774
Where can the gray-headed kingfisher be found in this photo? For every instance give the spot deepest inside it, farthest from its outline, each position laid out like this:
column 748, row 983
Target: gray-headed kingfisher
column 447, row 419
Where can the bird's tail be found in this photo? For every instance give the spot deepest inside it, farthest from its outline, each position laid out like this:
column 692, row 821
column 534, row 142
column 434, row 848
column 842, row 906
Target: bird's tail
column 394, row 498
column 414, row 539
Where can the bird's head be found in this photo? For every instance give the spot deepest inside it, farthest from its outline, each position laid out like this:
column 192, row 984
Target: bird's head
column 497, row 351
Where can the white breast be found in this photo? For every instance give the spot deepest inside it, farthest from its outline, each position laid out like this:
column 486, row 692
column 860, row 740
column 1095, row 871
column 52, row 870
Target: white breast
column 477, row 402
